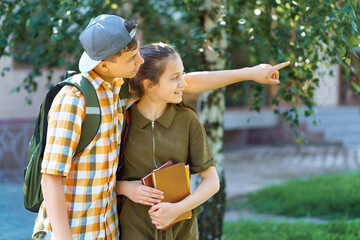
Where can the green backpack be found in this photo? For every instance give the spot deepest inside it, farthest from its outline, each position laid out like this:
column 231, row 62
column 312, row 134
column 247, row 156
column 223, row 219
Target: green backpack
column 32, row 183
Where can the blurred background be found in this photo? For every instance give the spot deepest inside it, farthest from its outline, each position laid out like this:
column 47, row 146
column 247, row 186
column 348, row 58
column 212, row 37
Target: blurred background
column 288, row 155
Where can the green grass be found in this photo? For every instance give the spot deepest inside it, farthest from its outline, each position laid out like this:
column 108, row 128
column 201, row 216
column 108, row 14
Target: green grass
column 329, row 196
column 271, row 230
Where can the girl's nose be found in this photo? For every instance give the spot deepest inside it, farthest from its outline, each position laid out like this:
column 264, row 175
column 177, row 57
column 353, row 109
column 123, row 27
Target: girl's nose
column 182, row 82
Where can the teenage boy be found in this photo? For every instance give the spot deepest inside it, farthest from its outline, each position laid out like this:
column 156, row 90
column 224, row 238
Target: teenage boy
column 79, row 191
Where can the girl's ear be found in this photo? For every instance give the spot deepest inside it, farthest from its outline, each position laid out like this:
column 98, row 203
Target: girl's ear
column 148, row 85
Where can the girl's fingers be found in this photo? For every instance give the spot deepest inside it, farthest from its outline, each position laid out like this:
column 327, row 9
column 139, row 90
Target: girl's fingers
column 155, row 222
column 275, row 75
column 273, row 81
column 146, row 203
column 281, row 65
column 154, row 208
column 152, row 200
column 153, row 190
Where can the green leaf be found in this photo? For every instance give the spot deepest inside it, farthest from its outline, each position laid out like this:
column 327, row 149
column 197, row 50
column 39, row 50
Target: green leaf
column 354, row 41
column 356, row 87
column 353, row 14
column 27, row 24
column 354, row 26
column 348, row 61
column 342, row 51
column 354, row 3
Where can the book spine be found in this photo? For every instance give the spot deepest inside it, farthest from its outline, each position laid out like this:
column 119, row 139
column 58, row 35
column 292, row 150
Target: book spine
column 153, row 179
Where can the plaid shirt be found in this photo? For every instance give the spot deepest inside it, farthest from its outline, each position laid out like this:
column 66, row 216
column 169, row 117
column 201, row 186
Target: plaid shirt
column 89, row 179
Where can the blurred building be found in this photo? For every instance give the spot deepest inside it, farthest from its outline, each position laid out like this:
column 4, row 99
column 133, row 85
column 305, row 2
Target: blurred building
column 338, row 114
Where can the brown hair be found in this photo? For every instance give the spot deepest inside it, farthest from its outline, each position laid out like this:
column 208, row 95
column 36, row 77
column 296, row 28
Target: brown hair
column 155, row 57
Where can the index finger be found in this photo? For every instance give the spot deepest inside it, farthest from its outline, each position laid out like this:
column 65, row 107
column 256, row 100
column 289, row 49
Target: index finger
column 281, row 65
column 152, row 190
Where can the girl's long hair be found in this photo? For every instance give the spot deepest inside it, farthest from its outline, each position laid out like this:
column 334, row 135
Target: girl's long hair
column 156, row 56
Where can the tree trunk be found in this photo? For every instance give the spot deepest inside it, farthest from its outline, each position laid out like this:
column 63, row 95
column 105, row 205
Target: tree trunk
column 211, row 106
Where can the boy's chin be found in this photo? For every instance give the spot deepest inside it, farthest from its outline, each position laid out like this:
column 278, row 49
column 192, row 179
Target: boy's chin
column 130, row 75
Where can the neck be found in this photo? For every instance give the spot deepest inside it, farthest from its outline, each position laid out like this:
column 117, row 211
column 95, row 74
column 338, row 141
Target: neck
column 149, row 109
column 103, row 76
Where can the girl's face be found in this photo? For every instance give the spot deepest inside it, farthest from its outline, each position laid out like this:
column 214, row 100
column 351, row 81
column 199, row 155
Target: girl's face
column 171, row 83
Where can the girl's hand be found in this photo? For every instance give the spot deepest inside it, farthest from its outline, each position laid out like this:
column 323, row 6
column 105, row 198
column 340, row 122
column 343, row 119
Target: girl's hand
column 163, row 214
column 266, row 73
column 139, row 193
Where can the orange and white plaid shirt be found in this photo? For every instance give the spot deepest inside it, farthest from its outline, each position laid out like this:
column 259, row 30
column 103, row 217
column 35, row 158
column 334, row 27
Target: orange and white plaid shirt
column 89, row 179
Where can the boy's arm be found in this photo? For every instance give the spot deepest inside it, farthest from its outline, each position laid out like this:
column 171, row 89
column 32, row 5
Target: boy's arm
column 56, row 207
column 204, row 81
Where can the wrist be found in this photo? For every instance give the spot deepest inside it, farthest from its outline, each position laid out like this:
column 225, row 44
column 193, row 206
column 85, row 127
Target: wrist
column 121, row 188
column 250, row 73
column 180, row 208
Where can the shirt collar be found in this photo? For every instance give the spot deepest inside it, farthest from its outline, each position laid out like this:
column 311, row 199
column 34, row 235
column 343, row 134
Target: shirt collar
column 165, row 120
column 97, row 81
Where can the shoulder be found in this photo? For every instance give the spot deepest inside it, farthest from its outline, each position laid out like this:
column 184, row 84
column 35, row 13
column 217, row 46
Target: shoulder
column 186, row 113
column 69, row 95
column 69, row 91
column 189, row 117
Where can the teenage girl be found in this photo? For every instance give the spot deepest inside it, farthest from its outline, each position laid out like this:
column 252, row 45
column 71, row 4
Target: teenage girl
column 163, row 128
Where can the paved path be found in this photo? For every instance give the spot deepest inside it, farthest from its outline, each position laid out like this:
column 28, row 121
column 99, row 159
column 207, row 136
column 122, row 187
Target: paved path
column 252, row 168
column 246, row 170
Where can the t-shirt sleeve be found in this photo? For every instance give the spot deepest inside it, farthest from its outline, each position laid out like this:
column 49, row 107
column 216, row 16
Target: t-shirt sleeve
column 200, row 157
column 64, row 128
column 133, row 97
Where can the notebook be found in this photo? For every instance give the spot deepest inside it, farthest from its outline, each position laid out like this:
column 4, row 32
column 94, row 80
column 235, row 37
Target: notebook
column 174, row 183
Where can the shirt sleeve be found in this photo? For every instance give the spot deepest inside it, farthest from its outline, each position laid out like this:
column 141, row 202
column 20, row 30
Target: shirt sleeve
column 200, row 154
column 64, row 128
column 133, row 97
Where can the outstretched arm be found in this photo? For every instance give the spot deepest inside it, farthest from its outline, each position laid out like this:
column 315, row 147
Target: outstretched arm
column 204, row 81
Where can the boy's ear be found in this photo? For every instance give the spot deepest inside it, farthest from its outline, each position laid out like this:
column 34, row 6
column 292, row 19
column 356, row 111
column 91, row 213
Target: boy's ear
column 103, row 66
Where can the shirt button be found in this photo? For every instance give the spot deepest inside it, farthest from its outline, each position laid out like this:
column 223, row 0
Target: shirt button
column 107, row 85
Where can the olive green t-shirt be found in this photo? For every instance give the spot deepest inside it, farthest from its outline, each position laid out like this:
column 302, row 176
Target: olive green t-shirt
column 179, row 137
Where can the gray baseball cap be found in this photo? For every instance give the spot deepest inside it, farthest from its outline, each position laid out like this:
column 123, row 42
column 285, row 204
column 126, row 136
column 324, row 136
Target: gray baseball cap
column 105, row 36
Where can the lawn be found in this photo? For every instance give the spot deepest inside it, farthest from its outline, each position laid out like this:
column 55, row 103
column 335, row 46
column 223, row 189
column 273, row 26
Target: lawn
column 274, row 230
column 332, row 197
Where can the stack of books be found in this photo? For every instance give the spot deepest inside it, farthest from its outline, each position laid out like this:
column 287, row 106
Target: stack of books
column 174, row 181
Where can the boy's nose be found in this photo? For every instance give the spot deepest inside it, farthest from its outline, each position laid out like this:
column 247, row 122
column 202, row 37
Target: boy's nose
column 140, row 60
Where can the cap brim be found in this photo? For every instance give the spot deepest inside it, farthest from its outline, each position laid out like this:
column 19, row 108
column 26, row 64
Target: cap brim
column 86, row 63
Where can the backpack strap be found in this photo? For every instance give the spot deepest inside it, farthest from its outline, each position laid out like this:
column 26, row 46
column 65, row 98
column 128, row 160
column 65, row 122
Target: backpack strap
column 124, row 94
column 92, row 112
